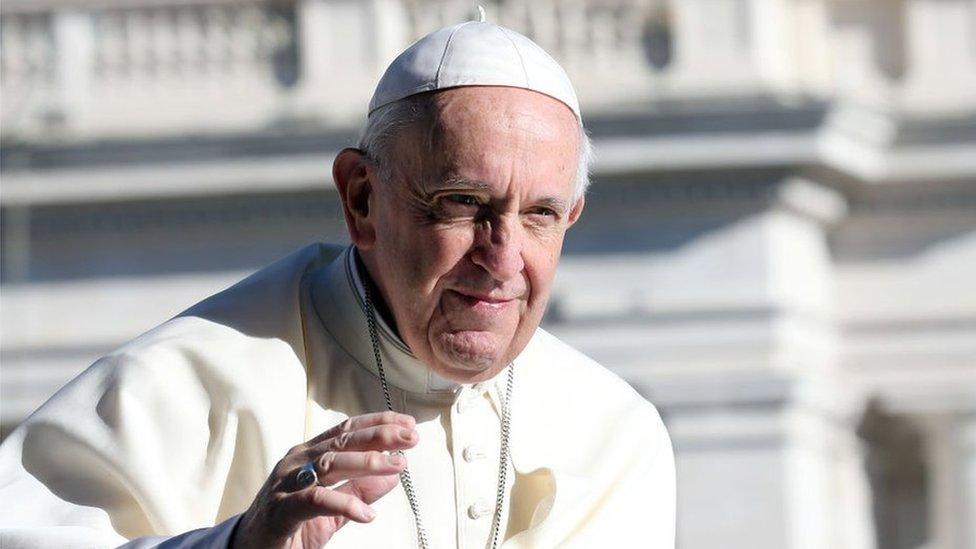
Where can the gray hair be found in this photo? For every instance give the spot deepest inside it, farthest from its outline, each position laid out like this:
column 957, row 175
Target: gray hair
column 385, row 123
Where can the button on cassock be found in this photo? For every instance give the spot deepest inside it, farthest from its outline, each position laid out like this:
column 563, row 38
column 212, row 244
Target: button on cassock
column 479, row 509
column 472, row 453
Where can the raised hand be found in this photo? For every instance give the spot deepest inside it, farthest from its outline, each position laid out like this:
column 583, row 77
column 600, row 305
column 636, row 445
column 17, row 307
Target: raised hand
column 288, row 512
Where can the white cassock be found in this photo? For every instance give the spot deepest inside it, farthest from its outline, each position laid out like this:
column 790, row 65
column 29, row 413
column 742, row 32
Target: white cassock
column 176, row 431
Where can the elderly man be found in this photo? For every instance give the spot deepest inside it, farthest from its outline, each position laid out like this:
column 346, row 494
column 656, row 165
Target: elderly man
column 394, row 393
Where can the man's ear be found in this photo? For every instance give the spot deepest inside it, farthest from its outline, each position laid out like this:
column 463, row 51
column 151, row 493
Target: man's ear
column 576, row 210
column 351, row 173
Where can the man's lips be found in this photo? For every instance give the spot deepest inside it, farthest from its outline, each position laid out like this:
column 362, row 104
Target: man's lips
column 478, row 300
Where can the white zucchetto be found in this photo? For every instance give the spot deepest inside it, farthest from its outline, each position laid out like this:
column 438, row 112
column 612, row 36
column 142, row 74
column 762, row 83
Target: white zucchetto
column 473, row 53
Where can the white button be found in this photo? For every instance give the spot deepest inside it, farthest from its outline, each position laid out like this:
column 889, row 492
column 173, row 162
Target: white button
column 472, row 453
column 479, row 509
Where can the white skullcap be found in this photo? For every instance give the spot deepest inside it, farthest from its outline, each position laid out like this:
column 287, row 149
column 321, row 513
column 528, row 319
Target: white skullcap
column 473, row 54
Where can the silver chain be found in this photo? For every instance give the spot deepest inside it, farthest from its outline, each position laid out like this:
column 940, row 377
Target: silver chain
column 405, row 475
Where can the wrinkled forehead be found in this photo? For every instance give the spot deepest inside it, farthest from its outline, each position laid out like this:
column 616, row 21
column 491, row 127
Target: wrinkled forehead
column 503, row 105
column 477, row 122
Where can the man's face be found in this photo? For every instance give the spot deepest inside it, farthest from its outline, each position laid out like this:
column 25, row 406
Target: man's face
column 467, row 239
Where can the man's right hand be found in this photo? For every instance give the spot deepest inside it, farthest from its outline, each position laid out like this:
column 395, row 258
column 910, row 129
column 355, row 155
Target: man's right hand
column 286, row 514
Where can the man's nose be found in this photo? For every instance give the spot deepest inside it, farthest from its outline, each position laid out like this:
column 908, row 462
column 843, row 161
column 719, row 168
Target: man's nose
column 498, row 248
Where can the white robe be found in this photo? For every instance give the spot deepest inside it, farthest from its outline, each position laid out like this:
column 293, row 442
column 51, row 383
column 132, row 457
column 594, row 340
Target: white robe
column 176, row 431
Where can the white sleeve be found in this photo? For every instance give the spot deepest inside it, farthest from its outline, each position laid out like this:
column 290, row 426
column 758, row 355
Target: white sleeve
column 134, row 446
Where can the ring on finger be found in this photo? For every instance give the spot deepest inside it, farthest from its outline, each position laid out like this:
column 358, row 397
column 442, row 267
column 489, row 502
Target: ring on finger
column 306, row 475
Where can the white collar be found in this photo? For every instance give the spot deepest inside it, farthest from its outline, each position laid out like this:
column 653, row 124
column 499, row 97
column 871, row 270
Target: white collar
column 338, row 297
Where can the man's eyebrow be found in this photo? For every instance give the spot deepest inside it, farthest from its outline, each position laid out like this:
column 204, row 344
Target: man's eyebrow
column 464, row 183
column 553, row 203
column 460, row 182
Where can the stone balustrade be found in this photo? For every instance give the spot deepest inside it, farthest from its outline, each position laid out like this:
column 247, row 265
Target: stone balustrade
column 84, row 70
column 74, row 70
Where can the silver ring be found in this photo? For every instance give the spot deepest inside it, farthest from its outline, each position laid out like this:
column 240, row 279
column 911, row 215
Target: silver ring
column 306, row 475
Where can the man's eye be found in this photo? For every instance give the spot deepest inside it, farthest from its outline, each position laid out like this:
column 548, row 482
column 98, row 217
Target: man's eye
column 459, row 205
column 462, row 199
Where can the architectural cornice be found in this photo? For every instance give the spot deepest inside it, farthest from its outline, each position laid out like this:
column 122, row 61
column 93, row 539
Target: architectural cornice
column 282, row 173
column 859, row 145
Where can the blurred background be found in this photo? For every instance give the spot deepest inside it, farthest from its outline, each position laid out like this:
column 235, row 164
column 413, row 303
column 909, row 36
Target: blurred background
column 779, row 249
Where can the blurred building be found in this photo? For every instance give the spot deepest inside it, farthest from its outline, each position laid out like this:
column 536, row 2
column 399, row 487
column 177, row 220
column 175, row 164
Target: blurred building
column 779, row 249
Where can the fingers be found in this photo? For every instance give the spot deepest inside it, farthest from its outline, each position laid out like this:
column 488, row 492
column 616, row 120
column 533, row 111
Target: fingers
column 370, row 489
column 351, row 452
column 384, row 431
column 366, row 490
column 356, row 423
column 347, row 502
column 319, row 501
column 380, row 437
column 334, row 467
column 372, row 474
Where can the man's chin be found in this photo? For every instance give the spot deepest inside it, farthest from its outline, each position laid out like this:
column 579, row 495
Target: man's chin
column 469, row 357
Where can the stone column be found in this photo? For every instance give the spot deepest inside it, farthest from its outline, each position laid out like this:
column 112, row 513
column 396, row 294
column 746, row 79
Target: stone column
column 74, row 44
column 939, row 56
column 713, row 47
column 344, row 45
